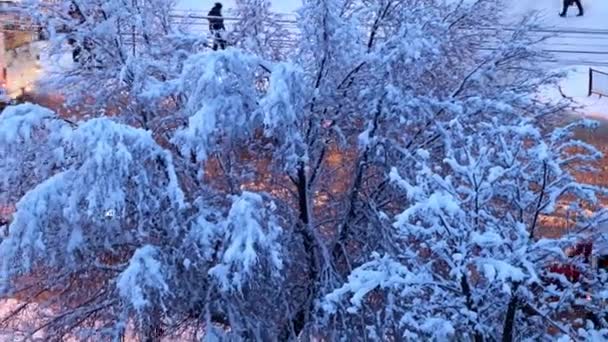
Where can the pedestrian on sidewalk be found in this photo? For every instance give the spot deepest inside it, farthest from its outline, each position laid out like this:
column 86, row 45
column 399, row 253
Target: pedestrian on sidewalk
column 216, row 26
column 568, row 3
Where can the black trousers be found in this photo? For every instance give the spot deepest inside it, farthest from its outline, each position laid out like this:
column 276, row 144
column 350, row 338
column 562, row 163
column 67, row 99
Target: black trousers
column 568, row 3
column 76, row 53
column 218, row 40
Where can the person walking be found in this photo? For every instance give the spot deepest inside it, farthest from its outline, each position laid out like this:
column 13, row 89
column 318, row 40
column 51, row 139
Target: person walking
column 568, row 3
column 216, row 26
column 78, row 18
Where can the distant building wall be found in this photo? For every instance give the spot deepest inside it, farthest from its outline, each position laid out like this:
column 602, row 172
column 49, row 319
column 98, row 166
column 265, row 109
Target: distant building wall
column 23, row 67
column 19, row 51
column 17, row 39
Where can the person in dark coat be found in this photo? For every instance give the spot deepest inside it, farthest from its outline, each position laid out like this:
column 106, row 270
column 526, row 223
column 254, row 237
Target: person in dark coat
column 216, row 26
column 568, row 3
column 76, row 14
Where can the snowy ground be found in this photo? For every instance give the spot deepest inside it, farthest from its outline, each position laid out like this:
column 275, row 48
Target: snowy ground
column 596, row 13
column 595, row 19
column 576, row 86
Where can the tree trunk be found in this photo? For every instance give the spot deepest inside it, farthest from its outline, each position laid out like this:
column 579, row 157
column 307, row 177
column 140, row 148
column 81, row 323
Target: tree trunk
column 466, row 289
column 509, row 326
column 297, row 322
column 302, row 185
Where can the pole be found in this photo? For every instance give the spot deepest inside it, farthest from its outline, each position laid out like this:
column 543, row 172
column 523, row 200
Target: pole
column 590, row 82
column 134, row 3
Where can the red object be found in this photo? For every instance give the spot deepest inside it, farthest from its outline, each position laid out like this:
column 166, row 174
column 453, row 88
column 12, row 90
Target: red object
column 569, row 271
column 583, row 249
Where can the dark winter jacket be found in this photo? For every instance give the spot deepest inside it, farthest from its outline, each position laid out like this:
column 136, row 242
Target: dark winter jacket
column 216, row 24
column 75, row 13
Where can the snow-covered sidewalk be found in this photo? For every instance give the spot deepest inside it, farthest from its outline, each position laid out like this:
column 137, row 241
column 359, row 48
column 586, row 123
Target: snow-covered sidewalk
column 576, row 84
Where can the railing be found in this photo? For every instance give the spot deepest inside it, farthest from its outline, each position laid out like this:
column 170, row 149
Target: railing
column 564, row 46
column 598, row 82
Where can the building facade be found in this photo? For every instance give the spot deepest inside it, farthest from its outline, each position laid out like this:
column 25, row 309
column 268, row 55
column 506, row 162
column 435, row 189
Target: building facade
column 19, row 55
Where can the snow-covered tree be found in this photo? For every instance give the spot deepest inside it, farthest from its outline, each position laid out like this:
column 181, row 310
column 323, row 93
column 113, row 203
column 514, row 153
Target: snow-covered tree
column 258, row 30
column 393, row 178
column 470, row 259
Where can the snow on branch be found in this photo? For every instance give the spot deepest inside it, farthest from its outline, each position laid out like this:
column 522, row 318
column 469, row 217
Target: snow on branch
column 221, row 100
column 143, row 280
column 251, row 237
column 380, row 273
column 106, row 167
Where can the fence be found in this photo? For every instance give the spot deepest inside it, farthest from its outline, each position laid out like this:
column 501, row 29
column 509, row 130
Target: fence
column 598, row 82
